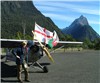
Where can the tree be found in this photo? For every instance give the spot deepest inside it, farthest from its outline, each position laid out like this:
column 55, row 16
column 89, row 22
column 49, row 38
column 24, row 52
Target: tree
column 97, row 44
column 87, row 43
column 69, row 38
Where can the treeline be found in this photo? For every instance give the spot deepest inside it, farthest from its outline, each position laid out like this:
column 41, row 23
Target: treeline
column 95, row 44
column 87, row 44
column 20, row 35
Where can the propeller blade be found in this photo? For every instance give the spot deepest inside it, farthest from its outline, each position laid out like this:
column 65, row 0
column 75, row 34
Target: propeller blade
column 44, row 48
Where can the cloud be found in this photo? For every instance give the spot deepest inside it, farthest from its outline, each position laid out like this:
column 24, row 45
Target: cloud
column 94, row 22
column 67, row 18
column 62, row 7
column 59, row 17
column 50, row 9
column 64, row 10
column 86, row 11
column 68, row 0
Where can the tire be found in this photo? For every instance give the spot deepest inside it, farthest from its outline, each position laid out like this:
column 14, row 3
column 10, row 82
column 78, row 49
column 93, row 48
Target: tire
column 45, row 69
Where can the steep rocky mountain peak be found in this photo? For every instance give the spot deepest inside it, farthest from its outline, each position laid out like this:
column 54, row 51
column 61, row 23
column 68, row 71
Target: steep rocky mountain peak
column 82, row 20
column 80, row 30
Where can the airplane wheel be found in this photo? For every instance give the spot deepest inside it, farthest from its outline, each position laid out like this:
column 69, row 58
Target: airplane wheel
column 45, row 69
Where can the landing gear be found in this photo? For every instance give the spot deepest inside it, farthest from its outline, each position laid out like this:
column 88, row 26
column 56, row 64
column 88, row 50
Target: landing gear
column 39, row 66
column 45, row 69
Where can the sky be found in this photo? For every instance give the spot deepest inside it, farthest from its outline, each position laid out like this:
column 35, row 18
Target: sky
column 64, row 12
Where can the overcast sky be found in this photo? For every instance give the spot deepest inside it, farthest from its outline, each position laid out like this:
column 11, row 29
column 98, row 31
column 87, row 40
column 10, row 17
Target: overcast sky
column 64, row 12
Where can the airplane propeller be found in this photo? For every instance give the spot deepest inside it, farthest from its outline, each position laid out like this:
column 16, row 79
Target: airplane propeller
column 44, row 48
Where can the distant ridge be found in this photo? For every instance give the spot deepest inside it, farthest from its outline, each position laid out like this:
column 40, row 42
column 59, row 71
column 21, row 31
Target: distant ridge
column 80, row 30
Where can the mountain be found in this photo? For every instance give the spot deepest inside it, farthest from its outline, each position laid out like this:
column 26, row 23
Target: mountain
column 17, row 16
column 81, row 30
column 64, row 30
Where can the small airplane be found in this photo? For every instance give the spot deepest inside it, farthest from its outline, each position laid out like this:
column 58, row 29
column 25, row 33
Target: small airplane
column 36, row 46
column 35, row 53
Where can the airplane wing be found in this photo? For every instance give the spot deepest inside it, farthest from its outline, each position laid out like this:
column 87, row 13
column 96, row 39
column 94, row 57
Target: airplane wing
column 69, row 42
column 10, row 43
